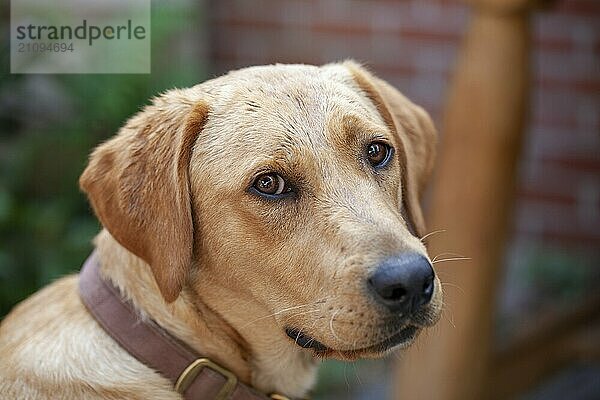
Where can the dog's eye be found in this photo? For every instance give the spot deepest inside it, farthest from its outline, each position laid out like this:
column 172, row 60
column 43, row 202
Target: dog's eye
column 271, row 184
column 379, row 154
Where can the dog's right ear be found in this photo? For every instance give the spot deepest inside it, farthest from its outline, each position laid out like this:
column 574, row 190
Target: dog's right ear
column 416, row 133
column 139, row 187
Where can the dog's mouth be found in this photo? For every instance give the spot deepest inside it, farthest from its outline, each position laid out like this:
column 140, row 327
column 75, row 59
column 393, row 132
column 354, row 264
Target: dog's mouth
column 305, row 341
column 403, row 336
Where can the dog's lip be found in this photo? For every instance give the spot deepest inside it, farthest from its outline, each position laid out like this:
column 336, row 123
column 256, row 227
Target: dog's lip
column 404, row 335
column 305, row 341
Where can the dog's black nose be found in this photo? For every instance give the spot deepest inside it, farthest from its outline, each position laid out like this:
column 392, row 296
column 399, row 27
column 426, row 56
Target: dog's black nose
column 403, row 283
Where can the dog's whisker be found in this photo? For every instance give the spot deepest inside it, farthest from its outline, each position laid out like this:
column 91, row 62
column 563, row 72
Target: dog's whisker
column 450, row 319
column 447, row 253
column 298, row 336
column 278, row 313
column 292, row 315
column 431, row 234
column 451, row 259
column 397, row 356
column 350, row 294
column 345, row 375
column 454, row 286
column 331, row 326
column 304, row 313
column 356, row 373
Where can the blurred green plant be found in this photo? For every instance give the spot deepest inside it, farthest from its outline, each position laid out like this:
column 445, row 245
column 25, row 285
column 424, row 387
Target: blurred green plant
column 560, row 277
column 541, row 280
column 48, row 126
column 347, row 380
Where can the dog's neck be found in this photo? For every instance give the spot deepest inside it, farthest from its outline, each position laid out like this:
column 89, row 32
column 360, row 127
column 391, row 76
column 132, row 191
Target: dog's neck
column 265, row 361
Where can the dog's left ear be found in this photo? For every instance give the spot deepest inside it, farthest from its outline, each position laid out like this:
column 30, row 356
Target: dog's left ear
column 138, row 184
column 416, row 132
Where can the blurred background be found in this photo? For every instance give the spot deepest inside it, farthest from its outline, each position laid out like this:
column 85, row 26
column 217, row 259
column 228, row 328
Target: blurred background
column 549, row 263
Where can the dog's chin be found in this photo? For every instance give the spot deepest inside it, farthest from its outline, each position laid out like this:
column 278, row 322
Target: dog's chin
column 402, row 338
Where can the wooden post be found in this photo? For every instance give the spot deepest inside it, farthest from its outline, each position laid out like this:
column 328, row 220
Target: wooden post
column 553, row 340
column 473, row 191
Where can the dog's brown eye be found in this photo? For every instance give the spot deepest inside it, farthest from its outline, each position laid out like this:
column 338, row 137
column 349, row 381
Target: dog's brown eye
column 271, row 184
column 378, row 154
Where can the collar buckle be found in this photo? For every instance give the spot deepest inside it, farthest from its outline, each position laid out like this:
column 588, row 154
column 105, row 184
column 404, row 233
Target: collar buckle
column 191, row 372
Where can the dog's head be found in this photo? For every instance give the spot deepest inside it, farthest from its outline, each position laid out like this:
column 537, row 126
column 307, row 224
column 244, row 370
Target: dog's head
column 290, row 192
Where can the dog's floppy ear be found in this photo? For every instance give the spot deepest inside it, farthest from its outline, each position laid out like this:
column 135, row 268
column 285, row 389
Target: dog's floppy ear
column 138, row 185
column 416, row 132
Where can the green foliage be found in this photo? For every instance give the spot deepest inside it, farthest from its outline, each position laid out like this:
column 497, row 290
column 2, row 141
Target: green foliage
column 561, row 276
column 48, row 126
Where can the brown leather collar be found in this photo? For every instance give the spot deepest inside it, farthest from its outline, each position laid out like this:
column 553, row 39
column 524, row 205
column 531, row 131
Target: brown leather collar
column 195, row 377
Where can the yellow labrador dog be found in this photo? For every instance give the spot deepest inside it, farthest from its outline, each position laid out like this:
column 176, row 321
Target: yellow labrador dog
column 265, row 219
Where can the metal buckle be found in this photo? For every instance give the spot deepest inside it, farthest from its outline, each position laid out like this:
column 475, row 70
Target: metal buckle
column 191, row 372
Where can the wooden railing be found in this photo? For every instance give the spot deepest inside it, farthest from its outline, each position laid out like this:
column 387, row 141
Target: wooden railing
column 472, row 199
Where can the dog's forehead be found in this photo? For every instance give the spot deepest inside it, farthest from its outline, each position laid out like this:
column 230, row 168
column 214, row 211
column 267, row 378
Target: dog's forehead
column 282, row 106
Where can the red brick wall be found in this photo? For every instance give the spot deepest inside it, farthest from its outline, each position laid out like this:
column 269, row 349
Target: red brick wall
column 413, row 44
